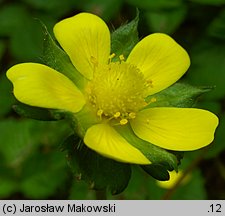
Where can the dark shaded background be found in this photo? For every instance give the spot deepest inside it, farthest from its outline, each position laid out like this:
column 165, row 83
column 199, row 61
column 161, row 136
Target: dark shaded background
column 31, row 164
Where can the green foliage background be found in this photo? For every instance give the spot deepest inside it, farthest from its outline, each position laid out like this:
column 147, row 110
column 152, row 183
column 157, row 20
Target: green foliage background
column 31, row 163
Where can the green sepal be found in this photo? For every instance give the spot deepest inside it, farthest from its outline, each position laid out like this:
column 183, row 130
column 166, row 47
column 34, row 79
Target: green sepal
column 56, row 58
column 99, row 172
column 178, row 95
column 154, row 153
column 38, row 113
column 157, row 171
column 83, row 120
column 125, row 38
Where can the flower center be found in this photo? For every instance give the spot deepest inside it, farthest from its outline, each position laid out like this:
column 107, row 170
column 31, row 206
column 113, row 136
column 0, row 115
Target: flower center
column 117, row 91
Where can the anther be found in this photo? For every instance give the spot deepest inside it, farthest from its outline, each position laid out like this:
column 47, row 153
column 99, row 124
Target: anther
column 112, row 56
column 132, row 115
column 117, row 114
column 121, row 57
column 99, row 112
column 123, row 121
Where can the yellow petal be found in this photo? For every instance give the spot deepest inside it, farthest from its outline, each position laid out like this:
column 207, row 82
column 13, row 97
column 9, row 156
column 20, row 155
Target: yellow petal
column 103, row 139
column 180, row 129
column 160, row 59
column 41, row 86
column 86, row 39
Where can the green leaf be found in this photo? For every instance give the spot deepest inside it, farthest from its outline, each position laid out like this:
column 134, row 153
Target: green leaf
column 7, row 187
column 159, row 4
column 154, row 153
column 216, row 28
column 193, row 187
column 138, row 186
column 11, row 16
column 52, row 133
column 23, row 30
column 193, row 190
column 16, row 140
column 6, row 97
column 20, row 138
column 125, row 38
column 166, row 21
column 2, row 48
column 209, row 2
column 208, row 67
column 218, row 145
column 55, row 7
column 213, row 106
column 43, row 174
column 37, row 113
column 56, row 58
column 105, row 9
column 26, row 37
column 101, row 173
column 80, row 191
column 177, row 95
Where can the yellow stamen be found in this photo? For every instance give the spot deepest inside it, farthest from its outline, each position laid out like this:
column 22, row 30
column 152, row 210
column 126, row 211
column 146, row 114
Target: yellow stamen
column 132, row 115
column 121, row 57
column 112, row 56
column 123, row 121
column 118, row 91
column 99, row 112
column 117, row 114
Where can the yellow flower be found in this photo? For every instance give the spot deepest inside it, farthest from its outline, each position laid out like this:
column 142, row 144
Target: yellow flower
column 113, row 93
